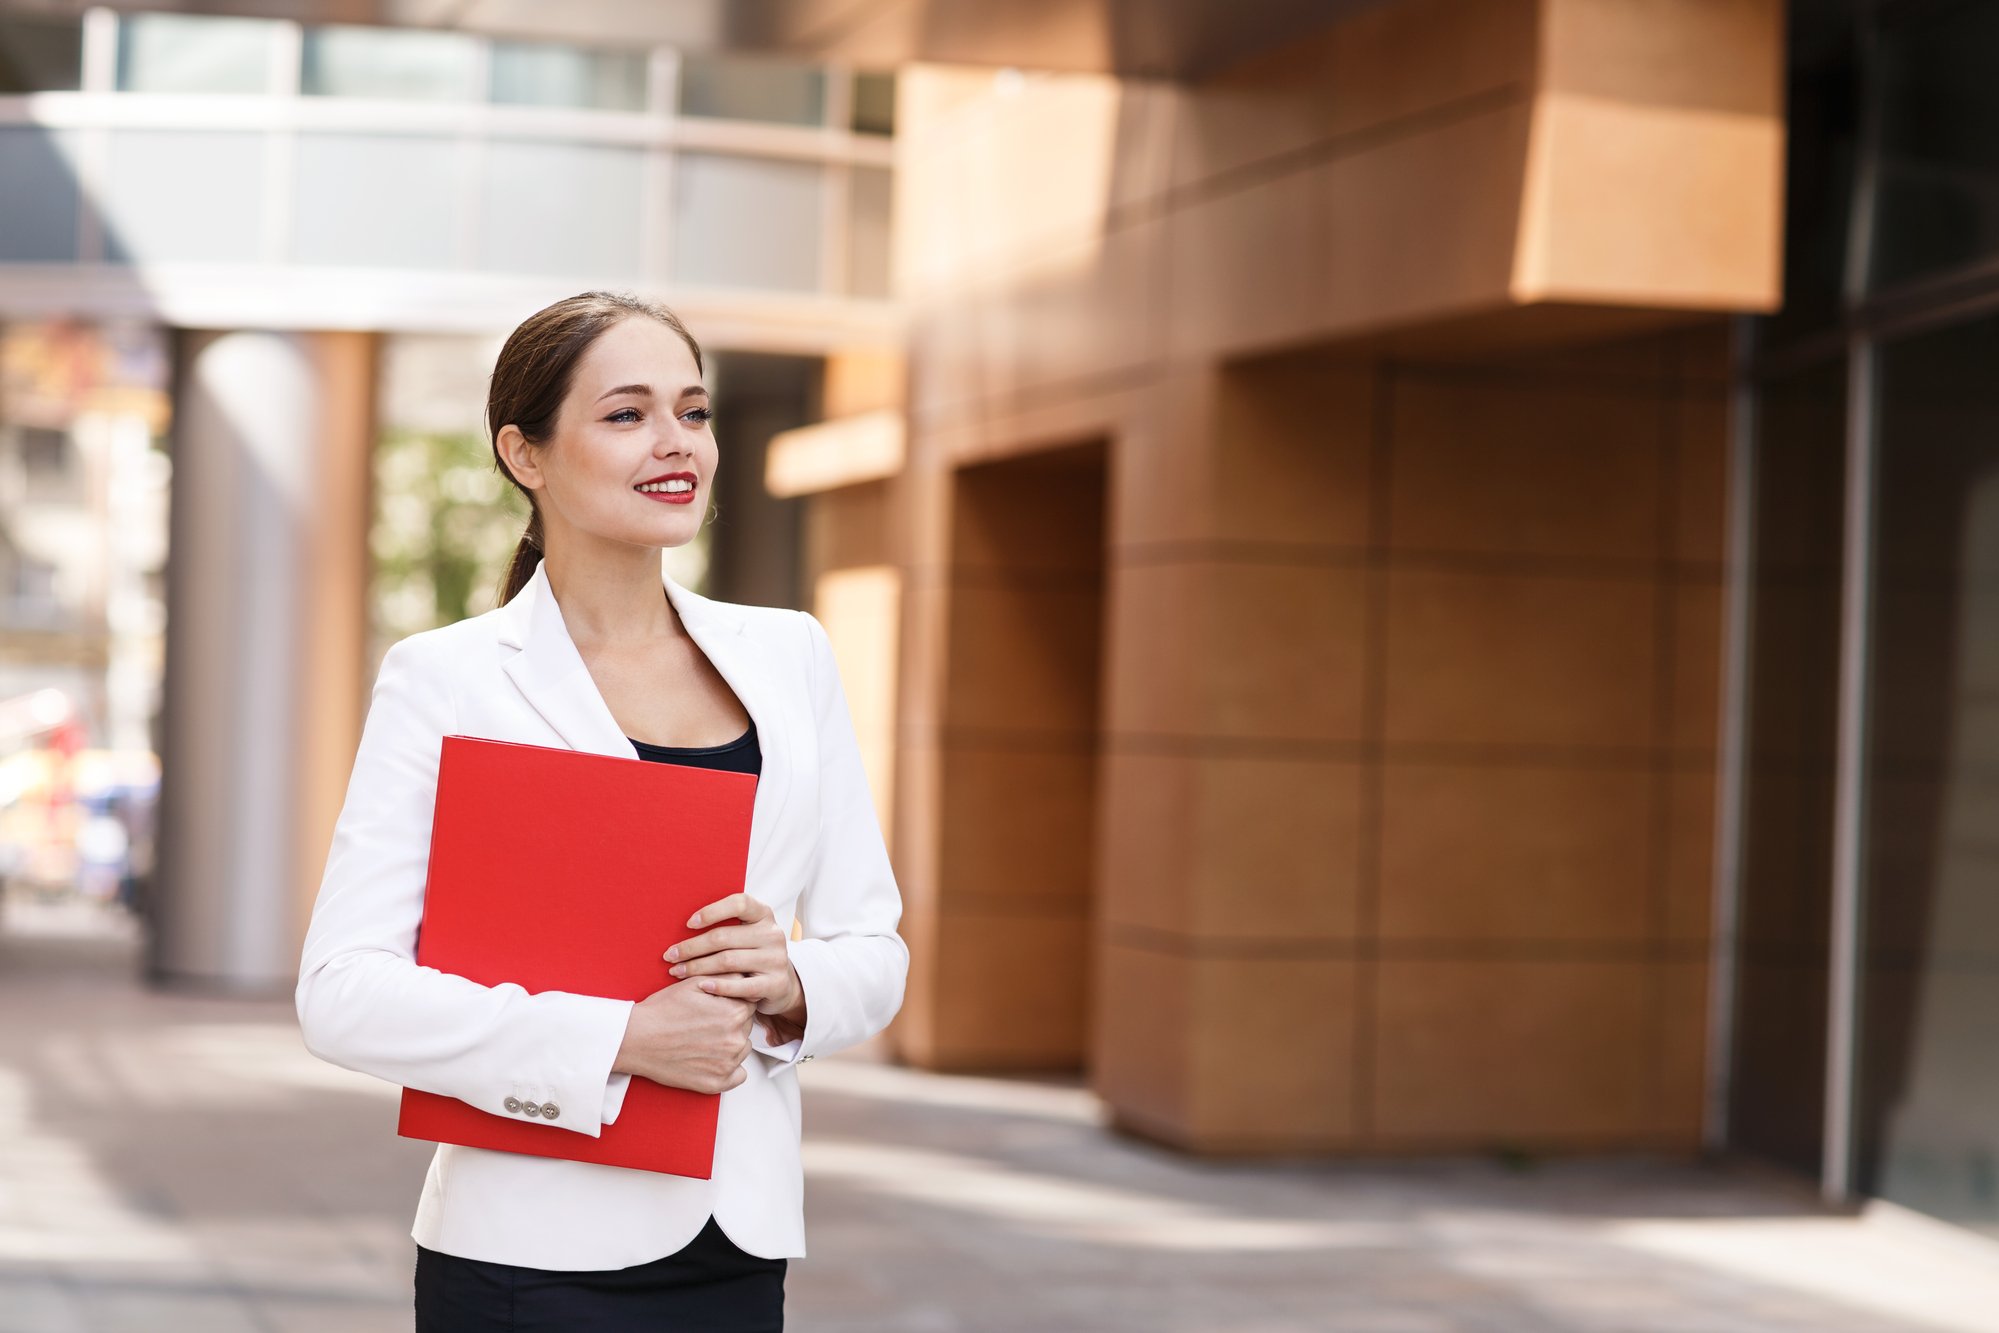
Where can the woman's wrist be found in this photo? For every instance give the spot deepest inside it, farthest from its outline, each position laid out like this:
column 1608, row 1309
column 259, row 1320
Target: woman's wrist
column 620, row 1064
column 788, row 1023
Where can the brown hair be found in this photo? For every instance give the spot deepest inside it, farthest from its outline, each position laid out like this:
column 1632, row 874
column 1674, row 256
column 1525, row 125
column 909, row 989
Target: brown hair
column 532, row 377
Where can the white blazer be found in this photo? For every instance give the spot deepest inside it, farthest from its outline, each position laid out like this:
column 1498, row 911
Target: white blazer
column 815, row 853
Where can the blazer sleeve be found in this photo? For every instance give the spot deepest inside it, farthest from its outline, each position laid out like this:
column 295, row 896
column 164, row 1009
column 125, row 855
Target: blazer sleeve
column 850, row 960
column 365, row 1004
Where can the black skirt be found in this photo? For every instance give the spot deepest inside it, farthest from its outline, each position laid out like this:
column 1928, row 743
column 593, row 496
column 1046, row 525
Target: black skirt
column 710, row 1286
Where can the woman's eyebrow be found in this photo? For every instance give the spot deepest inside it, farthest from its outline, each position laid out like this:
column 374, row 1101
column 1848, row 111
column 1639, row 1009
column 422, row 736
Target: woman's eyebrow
column 645, row 391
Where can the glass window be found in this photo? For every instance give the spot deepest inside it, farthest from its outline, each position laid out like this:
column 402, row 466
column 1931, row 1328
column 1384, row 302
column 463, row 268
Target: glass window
column 180, row 53
column 40, row 55
column 397, row 64
column 562, row 208
column 868, row 200
column 152, row 214
column 747, row 222
column 380, row 200
column 874, row 103
column 526, row 74
column 768, row 90
column 38, row 207
column 1929, row 1058
column 1777, row 1080
column 1939, row 170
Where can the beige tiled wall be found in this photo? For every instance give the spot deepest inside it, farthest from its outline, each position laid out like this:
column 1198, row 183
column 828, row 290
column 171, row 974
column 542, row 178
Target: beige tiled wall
column 1313, row 738
column 1551, row 655
column 1429, row 161
column 1439, row 766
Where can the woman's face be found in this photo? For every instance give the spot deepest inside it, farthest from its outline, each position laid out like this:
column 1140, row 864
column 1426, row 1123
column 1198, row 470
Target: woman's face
column 631, row 456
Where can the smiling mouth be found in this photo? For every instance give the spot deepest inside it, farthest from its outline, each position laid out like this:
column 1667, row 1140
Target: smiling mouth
column 672, row 490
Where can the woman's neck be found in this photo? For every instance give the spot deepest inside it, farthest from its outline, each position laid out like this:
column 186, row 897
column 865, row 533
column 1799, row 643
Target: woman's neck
column 611, row 596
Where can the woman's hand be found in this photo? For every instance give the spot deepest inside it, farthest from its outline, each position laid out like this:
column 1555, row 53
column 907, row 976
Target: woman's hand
column 746, row 961
column 686, row 1038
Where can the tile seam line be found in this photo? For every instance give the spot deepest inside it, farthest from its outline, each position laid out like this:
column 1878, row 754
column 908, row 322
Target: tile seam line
column 1365, row 1054
column 1665, row 721
column 1153, row 552
column 1633, row 949
column 1418, row 754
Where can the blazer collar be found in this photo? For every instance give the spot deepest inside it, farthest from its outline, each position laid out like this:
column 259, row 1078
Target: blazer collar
column 550, row 672
column 532, row 621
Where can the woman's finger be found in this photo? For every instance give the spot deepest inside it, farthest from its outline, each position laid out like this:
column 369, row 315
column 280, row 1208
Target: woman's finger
column 746, row 961
column 737, row 988
column 722, row 937
column 739, row 905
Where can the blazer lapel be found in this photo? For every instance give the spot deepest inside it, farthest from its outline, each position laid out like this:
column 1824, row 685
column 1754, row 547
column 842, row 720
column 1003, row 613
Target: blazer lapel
column 550, row 673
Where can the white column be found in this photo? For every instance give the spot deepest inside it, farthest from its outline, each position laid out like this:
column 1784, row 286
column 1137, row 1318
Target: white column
column 266, row 578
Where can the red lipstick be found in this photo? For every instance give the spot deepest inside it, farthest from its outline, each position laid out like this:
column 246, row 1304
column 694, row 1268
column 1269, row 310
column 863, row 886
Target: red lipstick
column 675, row 496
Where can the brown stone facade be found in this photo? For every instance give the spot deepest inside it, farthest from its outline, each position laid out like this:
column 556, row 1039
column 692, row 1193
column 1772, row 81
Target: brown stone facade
column 1303, row 571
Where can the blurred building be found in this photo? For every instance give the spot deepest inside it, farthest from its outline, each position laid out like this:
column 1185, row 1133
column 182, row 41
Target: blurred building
column 334, row 224
column 83, row 521
column 83, row 518
column 1308, row 517
column 1414, row 575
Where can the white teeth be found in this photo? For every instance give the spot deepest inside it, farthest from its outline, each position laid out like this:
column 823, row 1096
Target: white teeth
column 670, row 487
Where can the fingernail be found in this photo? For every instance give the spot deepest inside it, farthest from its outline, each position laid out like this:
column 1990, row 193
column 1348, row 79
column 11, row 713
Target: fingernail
column 673, row 953
column 678, row 970
column 706, row 985
column 694, row 921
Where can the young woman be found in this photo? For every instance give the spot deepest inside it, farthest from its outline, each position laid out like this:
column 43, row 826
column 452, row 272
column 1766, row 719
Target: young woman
column 599, row 415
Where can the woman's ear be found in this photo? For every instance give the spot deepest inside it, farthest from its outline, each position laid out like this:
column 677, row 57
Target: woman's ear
column 521, row 458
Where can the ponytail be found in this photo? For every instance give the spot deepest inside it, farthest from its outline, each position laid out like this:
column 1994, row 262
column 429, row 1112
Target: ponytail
column 527, row 554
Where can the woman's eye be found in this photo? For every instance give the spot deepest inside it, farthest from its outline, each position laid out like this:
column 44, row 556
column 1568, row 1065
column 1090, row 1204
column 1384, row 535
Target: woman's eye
column 699, row 416
column 624, row 414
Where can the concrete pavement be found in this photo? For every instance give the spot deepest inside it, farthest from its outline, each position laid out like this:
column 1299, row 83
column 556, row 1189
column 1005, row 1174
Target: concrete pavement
column 172, row 1162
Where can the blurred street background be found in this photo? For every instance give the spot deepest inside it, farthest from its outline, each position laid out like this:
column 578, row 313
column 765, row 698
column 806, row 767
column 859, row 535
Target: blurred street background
column 1418, row 581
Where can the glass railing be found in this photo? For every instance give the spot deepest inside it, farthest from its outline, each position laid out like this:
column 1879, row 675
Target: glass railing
column 174, row 139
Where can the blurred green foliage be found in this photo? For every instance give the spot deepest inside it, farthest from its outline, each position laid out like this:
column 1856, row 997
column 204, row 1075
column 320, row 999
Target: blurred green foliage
column 445, row 524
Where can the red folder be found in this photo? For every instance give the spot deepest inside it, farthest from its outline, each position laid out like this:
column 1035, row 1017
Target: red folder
column 570, row 870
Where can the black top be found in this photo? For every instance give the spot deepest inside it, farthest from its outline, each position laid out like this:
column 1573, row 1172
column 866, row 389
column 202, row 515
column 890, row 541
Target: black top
column 741, row 755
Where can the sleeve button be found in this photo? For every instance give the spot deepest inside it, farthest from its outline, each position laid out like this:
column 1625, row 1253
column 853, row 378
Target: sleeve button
column 530, row 1109
column 513, row 1104
column 549, row 1110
